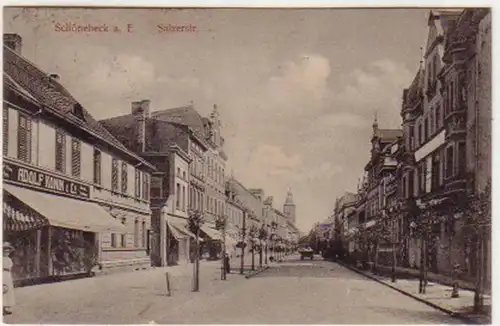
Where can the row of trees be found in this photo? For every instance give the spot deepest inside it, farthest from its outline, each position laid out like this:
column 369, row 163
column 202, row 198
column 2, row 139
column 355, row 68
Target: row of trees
column 257, row 238
column 473, row 214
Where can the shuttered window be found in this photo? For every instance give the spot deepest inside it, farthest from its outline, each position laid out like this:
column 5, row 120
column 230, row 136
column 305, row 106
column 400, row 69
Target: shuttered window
column 145, row 186
column 76, row 157
column 97, row 167
column 137, row 183
column 5, row 131
column 124, row 177
column 24, row 139
column 114, row 175
column 60, row 151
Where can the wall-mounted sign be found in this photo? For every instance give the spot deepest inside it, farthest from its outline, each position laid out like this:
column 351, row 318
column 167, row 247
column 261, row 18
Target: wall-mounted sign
column 44, row 181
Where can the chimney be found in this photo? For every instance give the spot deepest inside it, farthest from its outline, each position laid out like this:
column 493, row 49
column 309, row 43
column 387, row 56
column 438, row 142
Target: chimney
column 14, row 42
column 140, row 109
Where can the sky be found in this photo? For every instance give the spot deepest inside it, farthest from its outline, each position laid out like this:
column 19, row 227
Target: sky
column 297, row 89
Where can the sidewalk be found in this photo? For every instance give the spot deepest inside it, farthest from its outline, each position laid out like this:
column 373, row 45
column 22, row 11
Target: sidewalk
column 117, row 298
column 437, row 296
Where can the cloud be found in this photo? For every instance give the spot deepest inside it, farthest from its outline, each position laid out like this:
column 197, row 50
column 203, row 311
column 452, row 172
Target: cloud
column 307, row 75
column 122, row 74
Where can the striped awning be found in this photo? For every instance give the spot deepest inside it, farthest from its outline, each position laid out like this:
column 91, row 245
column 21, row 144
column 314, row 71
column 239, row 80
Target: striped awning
column 62, row 211
column 18, row 217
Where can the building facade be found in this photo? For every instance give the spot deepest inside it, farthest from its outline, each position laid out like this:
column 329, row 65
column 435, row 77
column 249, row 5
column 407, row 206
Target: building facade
column 73, row 195
column 177, row 185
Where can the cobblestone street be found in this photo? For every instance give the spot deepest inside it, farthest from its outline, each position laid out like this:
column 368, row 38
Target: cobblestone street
column 291, row 292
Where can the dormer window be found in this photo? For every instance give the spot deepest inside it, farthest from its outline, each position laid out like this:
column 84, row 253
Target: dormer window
column 78, row 111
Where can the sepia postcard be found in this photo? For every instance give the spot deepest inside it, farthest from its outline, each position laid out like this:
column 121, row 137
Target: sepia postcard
column 247, row 165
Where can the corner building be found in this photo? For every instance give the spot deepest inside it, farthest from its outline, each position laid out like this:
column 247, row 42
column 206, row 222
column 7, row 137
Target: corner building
column 73, row 195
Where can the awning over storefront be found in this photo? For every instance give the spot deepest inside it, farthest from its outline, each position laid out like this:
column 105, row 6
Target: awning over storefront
column 211, row 233
column 66, row 212
column 181, row 229
column 174, row 230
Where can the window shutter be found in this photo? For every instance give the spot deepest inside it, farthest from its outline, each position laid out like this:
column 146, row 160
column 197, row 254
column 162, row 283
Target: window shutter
column 60, row 151
column 114, row 174
column 97, row 167
column 75, row 157
column 124, row 177
column 137, row 183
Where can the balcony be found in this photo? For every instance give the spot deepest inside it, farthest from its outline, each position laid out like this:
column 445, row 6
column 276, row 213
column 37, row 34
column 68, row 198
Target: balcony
column 456, row 127
column 456, row 184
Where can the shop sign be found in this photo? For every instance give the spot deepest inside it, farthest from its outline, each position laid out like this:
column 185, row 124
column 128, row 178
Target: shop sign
column 44, row 181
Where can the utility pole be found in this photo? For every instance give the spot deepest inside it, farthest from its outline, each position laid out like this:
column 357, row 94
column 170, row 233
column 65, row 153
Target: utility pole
column 243, row 231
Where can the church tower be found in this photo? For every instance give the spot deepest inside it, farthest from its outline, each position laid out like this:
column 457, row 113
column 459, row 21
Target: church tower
column 289, row 206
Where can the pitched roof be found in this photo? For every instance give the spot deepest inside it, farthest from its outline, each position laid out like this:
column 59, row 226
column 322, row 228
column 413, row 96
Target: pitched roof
column 416, row 86
column 186, row 115
column 24, row 76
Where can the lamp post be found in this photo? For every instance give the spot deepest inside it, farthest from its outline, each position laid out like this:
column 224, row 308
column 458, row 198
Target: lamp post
column 243, row 231
column 221, row 224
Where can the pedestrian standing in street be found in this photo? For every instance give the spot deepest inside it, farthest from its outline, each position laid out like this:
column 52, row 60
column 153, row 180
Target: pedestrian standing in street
column 8, row 286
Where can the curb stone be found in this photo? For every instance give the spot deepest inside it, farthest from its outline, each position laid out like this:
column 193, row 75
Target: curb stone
column 256, row 272
column 433, row 305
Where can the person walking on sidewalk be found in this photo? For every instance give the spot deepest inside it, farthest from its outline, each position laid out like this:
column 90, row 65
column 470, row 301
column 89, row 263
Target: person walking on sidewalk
column 8, row 286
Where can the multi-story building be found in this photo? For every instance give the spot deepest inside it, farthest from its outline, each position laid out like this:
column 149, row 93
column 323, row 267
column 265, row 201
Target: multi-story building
column 215, row 167
column 235, row 214
column 178, row 154
column 73, row 194
column 344, row 208
column 441, row 120
column 466, row 92
column 208, row 185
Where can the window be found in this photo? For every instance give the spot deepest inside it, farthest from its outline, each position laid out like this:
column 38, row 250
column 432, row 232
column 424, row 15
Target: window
column 5, row 130
column 157, row 187
column 426, row 129
column 114, row 175
column 183, row 198
column 76, row 157
column 123, row 240
column 145, row 186
column 432, row 127
column 184, row 175
column 449, row 162
column 435, row 170
column 124, row 177
column 461, row 157
column 178, row 172
column 178, row 196
column 452, row 96
column 24, row 139
column 137, row 183
column 420, row 134
column 113, row 240
column 60, row 151
column 97, row 167
column 421, row 177
column 136, row 234
column 144, row 235
column 438, row 117
column 412, row 137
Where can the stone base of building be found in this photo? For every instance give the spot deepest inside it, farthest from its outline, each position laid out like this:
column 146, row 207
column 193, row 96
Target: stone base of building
column 128, row 259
